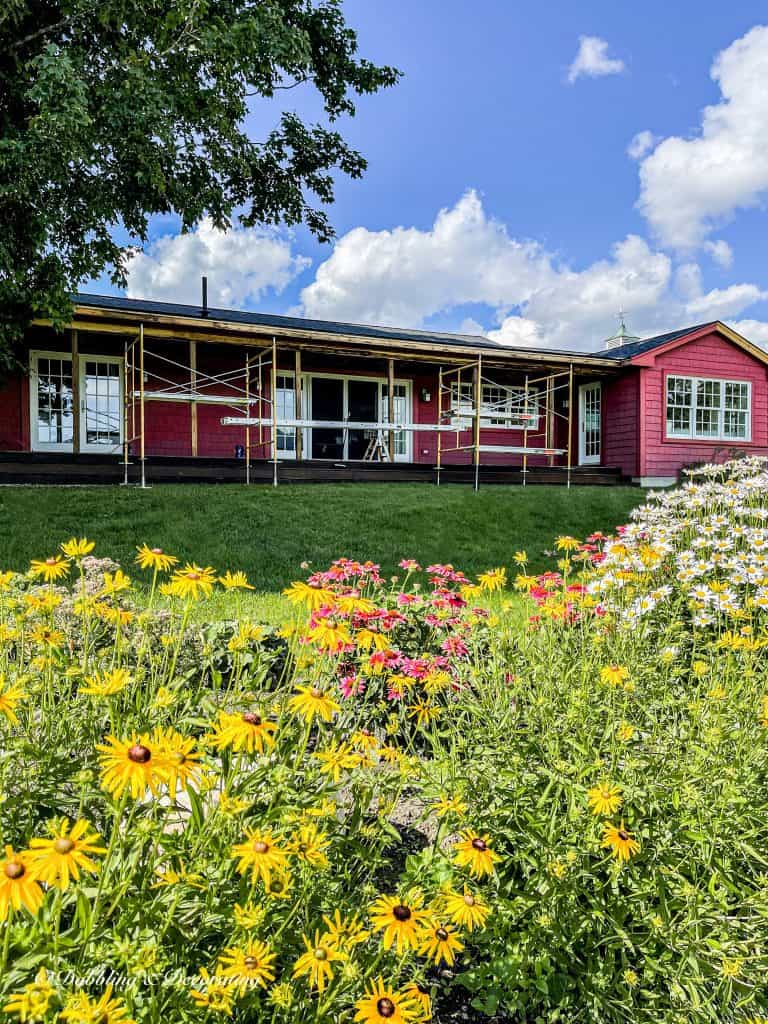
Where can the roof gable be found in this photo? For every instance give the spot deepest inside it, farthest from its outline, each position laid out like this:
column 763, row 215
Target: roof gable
column 642, row 353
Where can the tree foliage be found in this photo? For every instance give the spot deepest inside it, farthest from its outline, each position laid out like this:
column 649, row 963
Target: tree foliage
column 114, row 110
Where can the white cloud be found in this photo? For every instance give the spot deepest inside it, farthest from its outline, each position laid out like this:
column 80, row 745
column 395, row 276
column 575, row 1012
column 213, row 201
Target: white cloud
column 401, row 276
column 640, row 144
column 755, row 331
column 576, row 309
column 241, row 265
column 593, row 61
column 720, row 251
column 690, row 185
column 407, row 275
column 721, row 303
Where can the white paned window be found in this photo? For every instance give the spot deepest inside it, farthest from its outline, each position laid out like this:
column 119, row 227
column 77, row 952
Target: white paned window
column 500, row 407
column 286, row 410
column 709, row 410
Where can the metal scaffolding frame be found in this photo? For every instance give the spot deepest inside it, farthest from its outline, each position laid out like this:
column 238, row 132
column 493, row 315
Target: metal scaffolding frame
column 245, row 390
column 543, row 388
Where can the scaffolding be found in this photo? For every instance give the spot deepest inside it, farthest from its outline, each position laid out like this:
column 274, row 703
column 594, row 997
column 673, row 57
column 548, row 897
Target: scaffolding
column 479, row 415
column 460, row 409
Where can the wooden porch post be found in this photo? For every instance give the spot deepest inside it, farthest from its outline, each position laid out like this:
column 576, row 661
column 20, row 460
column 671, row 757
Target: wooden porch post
column 76, row 399
column 274, row 411
column 298, row 406
column 478, row 390
column 391, row 406
column 141, row 402
column 193, row 387
column 549, row 413
column 570, row 420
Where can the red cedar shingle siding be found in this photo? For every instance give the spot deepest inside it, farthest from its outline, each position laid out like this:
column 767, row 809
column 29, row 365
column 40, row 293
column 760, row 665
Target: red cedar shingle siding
column 710, row 356
column 14, row 414
column 621, row 427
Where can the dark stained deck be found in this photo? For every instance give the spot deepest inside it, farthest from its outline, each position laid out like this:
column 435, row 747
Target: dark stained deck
column 54, row 468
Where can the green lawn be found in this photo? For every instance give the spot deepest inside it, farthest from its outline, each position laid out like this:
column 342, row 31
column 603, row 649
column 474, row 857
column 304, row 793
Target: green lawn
column 269, row 533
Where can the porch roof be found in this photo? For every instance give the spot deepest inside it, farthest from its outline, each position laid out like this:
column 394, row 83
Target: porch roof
column 174, row 321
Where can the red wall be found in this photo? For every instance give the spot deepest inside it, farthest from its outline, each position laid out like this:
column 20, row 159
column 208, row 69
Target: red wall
column 621, row 422
column 710, row 356
column 14, row 414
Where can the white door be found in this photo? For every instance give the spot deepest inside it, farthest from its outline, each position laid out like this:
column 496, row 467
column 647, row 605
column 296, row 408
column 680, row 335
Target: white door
column 51, row 401
column 589, row 424
column 101, row 403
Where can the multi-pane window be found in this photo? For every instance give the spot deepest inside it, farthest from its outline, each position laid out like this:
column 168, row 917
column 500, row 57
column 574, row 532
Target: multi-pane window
column 400, row 394
column 707, row 409
column 286, row 410
column 500, row 406
column 508, row 407
column 55, row 419
column 102, row 409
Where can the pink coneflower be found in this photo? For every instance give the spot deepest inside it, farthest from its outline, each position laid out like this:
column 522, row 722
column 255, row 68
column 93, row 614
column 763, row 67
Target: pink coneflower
column 351, row 686
column 391, row 619
column 410, row 565
column 455, row 646
column 407, row 599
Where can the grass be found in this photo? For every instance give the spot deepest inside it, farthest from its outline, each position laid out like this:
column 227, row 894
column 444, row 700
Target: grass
column 269, row 533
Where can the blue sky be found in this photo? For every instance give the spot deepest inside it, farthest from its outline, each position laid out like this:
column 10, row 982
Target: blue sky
column 532, row 172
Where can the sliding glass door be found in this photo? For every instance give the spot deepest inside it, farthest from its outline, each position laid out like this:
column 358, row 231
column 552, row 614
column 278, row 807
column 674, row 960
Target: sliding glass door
column 357, row 400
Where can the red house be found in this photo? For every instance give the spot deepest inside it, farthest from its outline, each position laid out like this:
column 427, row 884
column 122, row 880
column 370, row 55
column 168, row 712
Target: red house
column 140, row 391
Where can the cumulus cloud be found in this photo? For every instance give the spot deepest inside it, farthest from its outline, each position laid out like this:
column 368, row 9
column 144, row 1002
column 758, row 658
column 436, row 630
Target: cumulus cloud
column 720, row 252
column 640, row 144
column 401, row 276
column 722, row 303
column 755, row 331
column 690, row 185
column 576, row 309
column 592, row 60
column 241, row 265
column 407, row 275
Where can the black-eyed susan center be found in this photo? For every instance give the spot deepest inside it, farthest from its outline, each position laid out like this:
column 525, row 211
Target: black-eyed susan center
column 480, row 844
column 442, row 934
column 401, row 912
column 321, row 954
column 139, row 754
column 251, row 718
column 14, row 870
column 385, row 1008
column 260, row 846
column 63, row 845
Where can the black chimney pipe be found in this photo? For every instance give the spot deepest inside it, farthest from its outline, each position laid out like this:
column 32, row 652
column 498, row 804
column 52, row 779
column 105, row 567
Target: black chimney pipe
column 204, row 310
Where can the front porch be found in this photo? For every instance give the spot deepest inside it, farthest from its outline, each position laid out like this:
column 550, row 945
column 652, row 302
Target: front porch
column 138, row 395
column 85, row 469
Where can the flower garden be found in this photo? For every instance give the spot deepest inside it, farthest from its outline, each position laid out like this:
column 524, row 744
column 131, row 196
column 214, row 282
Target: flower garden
column 402, row 806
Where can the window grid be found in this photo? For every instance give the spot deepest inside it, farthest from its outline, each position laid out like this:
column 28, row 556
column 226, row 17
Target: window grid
column 500, row 406
column 708, row 409
column 286, row 410
column 55, row 420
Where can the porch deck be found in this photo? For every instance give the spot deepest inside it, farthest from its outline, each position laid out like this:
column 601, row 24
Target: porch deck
column 48, row 468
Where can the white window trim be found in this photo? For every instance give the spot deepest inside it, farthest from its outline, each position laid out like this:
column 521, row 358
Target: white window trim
column 306, row 390
column 462, row 410
column 35, row 444
column 691, row 434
